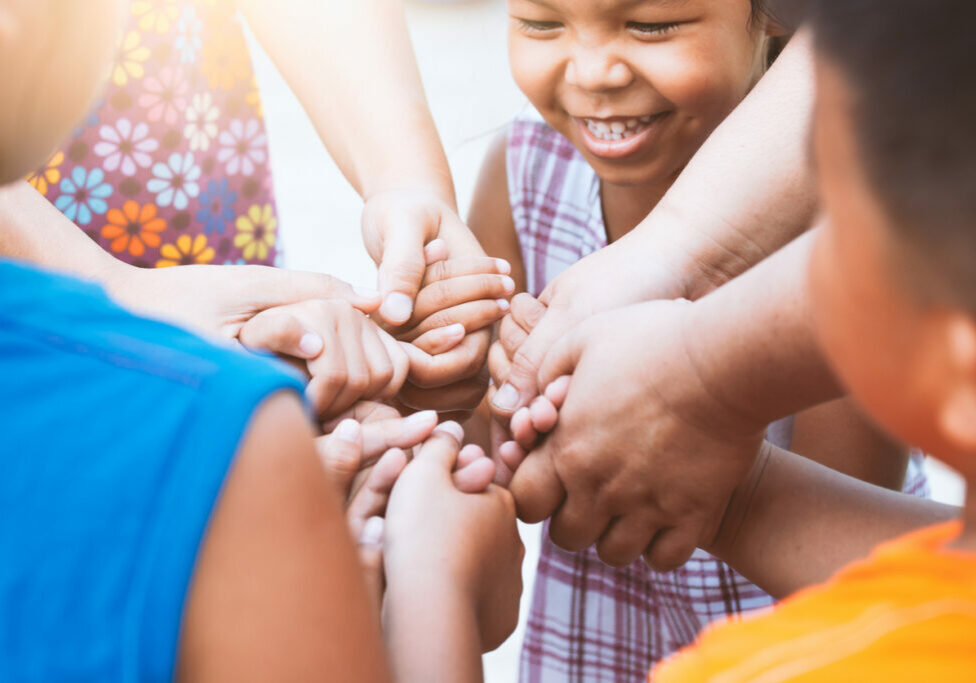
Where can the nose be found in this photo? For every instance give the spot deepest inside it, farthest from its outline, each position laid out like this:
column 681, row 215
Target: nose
column 597, row 68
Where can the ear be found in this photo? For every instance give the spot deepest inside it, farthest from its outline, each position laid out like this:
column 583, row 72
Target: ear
column 957, row 409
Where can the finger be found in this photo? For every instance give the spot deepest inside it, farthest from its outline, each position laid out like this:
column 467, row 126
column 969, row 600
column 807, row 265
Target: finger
column 670, row 548
column 468, row 455
column 522, row 430
column 371, row 498
column 467, row 265
column 543, row 415
column 511, row 454
column 464, row 395
column 401, row 271
column 557, row 391
column 440, row 340
column 461, row 290
column 510, row 335
column 370, row 546
column 378, row 362
column 328, row 373
column 625, row 539
column 474, row 477
column 527, row 311
column 379, row 437
column 362, row 412
column 577, row 524
column 442, row 448
column 341, row 454
column 357, row 369
column 521, row 385
column 536, row 487
column 474, row 315
column 498, row 364
column 278, row 331
column 435, row 251
column 401, row 365
column 264, row 287
column 462, row 362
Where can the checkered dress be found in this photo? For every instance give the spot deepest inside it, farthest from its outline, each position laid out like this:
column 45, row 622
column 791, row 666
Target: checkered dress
column 589, row 621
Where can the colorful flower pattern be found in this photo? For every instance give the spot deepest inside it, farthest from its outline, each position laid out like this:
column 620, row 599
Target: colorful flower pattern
column 175, row 151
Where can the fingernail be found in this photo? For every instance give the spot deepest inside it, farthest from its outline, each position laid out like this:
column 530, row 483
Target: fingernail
column 424, row 417
column 310, row 344
column 372, row 533
column 454, row 330
column 508, row 283
column 503, row 266
column 397, row 307
column 452, row 428
column 503, row 304
column 506, row 397
column 348, row 430
column 365, row 292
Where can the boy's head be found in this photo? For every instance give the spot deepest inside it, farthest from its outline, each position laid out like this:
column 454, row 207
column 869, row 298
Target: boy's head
column 894, row 270
column 53, row 54
column 637, row 85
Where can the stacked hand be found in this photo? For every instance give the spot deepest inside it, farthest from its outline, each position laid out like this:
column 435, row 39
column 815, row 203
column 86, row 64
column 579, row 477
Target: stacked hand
column 641, row 459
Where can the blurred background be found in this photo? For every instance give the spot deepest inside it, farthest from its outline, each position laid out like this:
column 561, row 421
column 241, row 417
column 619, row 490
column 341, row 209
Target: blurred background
column 460, row 46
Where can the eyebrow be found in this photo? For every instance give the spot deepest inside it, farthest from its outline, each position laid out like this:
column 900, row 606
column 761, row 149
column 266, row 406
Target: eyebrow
column 627, row 4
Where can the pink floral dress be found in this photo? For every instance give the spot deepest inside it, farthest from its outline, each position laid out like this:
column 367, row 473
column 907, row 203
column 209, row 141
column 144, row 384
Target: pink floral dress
column 171, row 165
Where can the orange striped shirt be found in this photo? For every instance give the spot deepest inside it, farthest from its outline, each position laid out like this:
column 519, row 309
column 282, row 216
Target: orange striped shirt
column 907, row 612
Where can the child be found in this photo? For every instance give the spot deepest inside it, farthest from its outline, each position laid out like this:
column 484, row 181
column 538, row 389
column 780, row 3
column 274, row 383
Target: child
column 896, row 160
column 164, row 513
column 627, row 94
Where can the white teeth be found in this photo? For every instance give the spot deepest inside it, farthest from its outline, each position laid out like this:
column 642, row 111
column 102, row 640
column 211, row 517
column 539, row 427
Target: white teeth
column 617, row 130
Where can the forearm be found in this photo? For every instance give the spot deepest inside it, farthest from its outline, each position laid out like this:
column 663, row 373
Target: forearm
column 753, row 344
column 748, row 191
column 353, row 69
column 432, row 634
column 795, row 522
column 32, row 230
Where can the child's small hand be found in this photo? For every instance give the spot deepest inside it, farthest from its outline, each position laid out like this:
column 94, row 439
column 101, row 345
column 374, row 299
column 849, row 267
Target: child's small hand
column 462, row 548
column 348, row 358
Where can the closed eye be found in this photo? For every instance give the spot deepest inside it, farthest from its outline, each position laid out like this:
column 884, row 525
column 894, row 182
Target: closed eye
column 530, row 26
column 652, row 29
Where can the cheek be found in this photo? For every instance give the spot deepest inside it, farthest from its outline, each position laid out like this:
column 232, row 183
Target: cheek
column 536, row 71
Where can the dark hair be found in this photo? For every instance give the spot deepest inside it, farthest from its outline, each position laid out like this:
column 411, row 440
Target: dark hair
column 911, row 66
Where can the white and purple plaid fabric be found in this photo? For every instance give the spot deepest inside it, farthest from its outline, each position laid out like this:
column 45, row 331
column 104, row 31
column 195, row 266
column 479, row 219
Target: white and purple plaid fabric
column 589, row 621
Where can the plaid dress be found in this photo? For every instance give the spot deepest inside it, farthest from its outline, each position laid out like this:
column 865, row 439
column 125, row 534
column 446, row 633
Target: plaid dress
column 589, row 621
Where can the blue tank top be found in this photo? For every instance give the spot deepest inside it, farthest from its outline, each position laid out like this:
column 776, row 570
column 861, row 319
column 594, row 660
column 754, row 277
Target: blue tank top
column 116, row 433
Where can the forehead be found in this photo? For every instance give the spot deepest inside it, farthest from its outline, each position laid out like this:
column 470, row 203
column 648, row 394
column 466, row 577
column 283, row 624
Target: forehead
column 600, row 6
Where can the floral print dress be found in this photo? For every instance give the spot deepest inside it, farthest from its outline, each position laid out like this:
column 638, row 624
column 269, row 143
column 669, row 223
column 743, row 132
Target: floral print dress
column 171, row 166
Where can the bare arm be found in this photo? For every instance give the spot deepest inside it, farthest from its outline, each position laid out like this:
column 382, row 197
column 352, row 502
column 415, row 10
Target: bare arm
column 278, row 592
column 795, row 522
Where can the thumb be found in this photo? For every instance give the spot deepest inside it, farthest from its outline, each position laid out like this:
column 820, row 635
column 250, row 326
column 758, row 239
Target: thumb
column 560, row 362
column 341, row 454
column 401, row 273
column 521, row 385
column 269, row 287
column 442, row 447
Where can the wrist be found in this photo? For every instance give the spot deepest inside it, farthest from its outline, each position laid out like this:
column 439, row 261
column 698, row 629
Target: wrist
column 734, row 521
column 432, row 177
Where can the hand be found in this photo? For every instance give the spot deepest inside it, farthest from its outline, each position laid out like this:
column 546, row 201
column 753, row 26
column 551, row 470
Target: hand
column 220, row 299
column 460, row 299
column 463, row 547
column 651, row 470
column 396, row 225
column 621, row 274
column 347, row 356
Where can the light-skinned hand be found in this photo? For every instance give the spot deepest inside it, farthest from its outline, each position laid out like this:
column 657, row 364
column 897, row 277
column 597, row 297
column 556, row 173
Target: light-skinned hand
column 465, row 547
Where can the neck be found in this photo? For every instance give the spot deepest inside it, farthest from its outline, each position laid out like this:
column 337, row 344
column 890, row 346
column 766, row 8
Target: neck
column 624, row 206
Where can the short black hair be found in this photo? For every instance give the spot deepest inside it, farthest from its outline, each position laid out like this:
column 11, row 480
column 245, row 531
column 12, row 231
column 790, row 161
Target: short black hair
column 911, row 68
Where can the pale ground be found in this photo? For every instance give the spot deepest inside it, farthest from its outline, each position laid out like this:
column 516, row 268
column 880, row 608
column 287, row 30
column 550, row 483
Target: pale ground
column 461, row 50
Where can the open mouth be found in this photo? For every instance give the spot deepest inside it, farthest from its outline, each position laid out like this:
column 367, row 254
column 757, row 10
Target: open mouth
column 618, row 137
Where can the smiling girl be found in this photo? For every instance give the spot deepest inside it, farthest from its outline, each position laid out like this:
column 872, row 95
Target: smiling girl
column 624, row 92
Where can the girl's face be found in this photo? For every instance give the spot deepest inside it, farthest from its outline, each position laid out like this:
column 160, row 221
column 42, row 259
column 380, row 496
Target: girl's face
column 636, row 85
